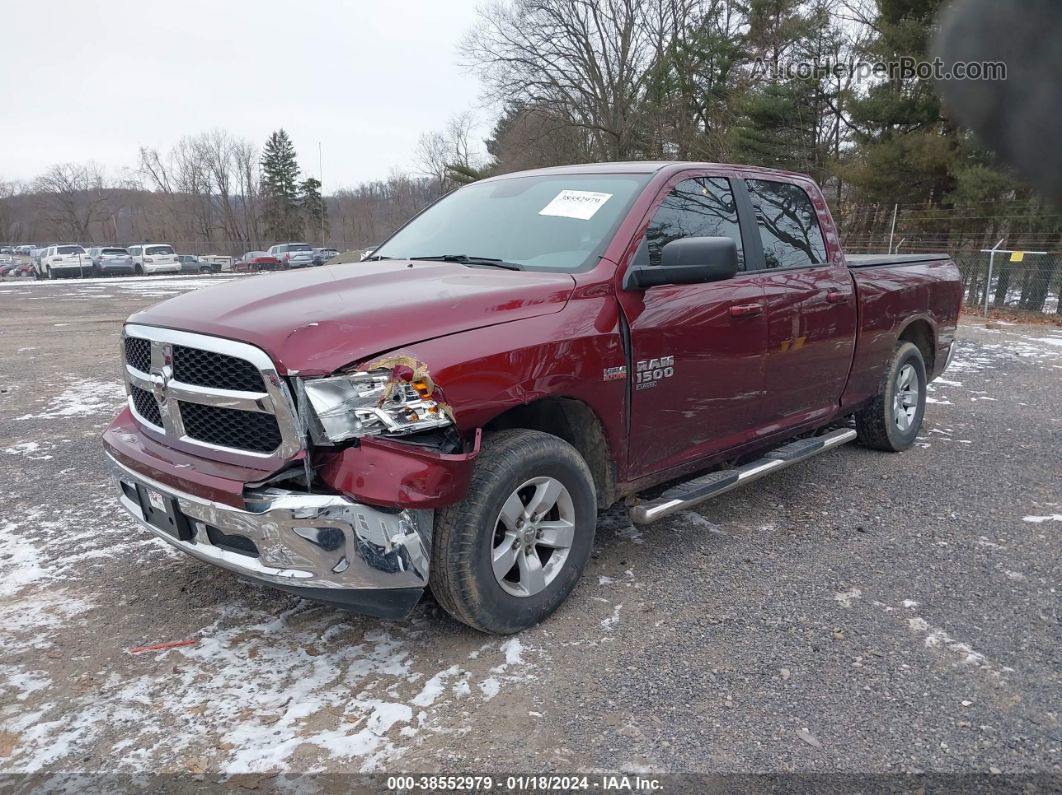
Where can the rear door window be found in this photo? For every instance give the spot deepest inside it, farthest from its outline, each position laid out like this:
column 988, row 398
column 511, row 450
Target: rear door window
column 789, row 227
column 700, row 207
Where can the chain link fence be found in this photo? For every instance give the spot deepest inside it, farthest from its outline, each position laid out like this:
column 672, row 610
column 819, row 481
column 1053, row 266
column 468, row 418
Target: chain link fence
column 1015, row 281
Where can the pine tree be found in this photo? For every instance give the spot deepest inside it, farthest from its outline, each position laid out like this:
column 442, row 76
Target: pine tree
column 314, row 209
column 280, row 173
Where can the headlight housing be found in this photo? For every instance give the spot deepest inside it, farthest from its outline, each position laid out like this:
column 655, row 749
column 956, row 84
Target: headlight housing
column 373, row 403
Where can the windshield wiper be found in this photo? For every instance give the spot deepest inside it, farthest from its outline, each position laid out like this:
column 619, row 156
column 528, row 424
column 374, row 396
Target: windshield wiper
column 464, row 259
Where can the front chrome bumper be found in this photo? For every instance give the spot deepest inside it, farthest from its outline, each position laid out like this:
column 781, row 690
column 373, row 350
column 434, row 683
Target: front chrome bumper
column 316, row 544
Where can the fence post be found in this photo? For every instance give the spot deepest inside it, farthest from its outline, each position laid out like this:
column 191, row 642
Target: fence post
column 991, row 262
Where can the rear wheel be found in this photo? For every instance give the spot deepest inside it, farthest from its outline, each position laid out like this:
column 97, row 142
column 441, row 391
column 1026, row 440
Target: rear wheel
column 892, row 420
column 138, row 270
column 507, row 555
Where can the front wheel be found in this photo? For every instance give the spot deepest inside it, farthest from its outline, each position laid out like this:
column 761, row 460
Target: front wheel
column 892, row 420
column 507, row 555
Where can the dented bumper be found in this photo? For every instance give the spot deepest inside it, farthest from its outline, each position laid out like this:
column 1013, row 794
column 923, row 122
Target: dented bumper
column 325, row 547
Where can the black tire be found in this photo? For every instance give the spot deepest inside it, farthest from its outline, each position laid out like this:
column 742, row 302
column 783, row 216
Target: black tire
column 138, row 270
column 51, row 276
column 876, row 423
column 462, row 575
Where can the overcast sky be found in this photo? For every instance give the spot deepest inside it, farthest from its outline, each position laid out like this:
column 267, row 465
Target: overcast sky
column 96, row 80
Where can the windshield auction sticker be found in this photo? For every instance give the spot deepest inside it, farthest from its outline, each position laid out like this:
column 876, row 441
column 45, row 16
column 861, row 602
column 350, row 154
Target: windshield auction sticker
column 580, row 204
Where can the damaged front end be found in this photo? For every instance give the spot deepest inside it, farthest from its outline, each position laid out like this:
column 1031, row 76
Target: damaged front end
column 383, row 432
column 348, row 521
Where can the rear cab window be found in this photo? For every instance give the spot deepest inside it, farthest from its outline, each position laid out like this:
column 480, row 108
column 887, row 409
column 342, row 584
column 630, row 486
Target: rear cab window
column 788, row 225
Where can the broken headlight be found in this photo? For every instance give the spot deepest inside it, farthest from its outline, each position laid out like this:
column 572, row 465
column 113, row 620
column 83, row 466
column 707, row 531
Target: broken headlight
column 373, row 403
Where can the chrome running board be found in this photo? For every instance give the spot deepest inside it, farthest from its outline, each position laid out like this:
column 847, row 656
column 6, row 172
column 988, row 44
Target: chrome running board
column 694, row 492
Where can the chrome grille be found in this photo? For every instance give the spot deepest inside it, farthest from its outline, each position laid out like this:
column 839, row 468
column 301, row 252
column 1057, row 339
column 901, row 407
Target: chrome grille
column 212, row 396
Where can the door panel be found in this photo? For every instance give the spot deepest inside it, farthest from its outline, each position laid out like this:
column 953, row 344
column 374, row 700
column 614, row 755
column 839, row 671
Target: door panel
column 811, row 320
column 697, row 350
column 811, row 307
column 713, row 395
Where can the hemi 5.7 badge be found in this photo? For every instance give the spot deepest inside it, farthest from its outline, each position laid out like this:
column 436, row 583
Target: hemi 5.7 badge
column 615, row 373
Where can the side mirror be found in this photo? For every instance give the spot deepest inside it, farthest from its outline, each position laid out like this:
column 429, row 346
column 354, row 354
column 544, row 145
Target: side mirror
column 690, row 260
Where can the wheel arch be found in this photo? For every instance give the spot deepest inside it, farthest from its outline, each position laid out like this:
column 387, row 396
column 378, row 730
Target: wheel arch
column 575, row 422
column 921, row 332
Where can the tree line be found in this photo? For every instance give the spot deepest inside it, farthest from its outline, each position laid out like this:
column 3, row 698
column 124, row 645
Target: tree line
column 763, row 82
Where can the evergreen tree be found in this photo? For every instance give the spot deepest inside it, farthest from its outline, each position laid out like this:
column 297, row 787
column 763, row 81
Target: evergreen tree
column 281, row 215
column 314, row 209
column 906, row 149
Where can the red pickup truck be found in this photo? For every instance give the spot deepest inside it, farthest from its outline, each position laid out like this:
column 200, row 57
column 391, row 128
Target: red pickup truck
column 524, row 353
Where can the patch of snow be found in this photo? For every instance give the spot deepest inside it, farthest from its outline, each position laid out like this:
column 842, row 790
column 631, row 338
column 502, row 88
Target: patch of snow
column 27, row 449
column 847, row 597
column 83, row 398
column 1055, row 517
column 610, row 623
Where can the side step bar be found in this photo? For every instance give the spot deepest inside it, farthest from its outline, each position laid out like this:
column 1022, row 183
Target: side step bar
column 694, row 492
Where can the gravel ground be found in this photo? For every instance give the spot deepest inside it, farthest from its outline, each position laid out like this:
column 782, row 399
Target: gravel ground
column 862, row 612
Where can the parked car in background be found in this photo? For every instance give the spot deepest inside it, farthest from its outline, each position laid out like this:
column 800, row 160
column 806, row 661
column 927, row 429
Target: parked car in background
column 216, row 262
column 365, row 254
column 154, row 258
column 292, row 255
column 191, row 263
column 257, row 261
column 110, row 260
column 322, row 255
column 7, row 250
column 68, row 259
column 7, row 265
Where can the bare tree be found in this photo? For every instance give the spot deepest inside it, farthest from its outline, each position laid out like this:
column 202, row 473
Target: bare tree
column 72, row 196
column 440, row 152
column 588, row 61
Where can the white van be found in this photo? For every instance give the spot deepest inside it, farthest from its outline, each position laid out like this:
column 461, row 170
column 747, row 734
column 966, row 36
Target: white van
column 154, row 258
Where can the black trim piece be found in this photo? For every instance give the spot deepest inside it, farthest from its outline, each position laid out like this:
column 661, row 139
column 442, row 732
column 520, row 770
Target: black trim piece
column 898, row 260
column 796, row 450
column 750, row 229
column 702, row 486
column 388, row 603
column 628, row 360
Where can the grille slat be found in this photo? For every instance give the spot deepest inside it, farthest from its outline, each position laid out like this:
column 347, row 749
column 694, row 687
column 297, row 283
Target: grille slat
column 217, row 370
column 246, row 430
column 138, row 353
column 146, row 405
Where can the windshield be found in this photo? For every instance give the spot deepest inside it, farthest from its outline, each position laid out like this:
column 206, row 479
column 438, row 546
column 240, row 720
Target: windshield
column 557, row 222
column 69, row 250
column 158, row 250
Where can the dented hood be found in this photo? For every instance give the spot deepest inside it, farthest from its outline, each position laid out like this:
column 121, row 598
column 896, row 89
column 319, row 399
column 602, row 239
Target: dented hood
column 317, row 320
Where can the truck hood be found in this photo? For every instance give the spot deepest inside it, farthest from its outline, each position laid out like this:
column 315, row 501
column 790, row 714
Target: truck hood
column 317, row 320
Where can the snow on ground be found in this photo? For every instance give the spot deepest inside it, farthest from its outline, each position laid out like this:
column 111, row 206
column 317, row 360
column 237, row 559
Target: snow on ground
column 82, row 398
column 312, row 683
